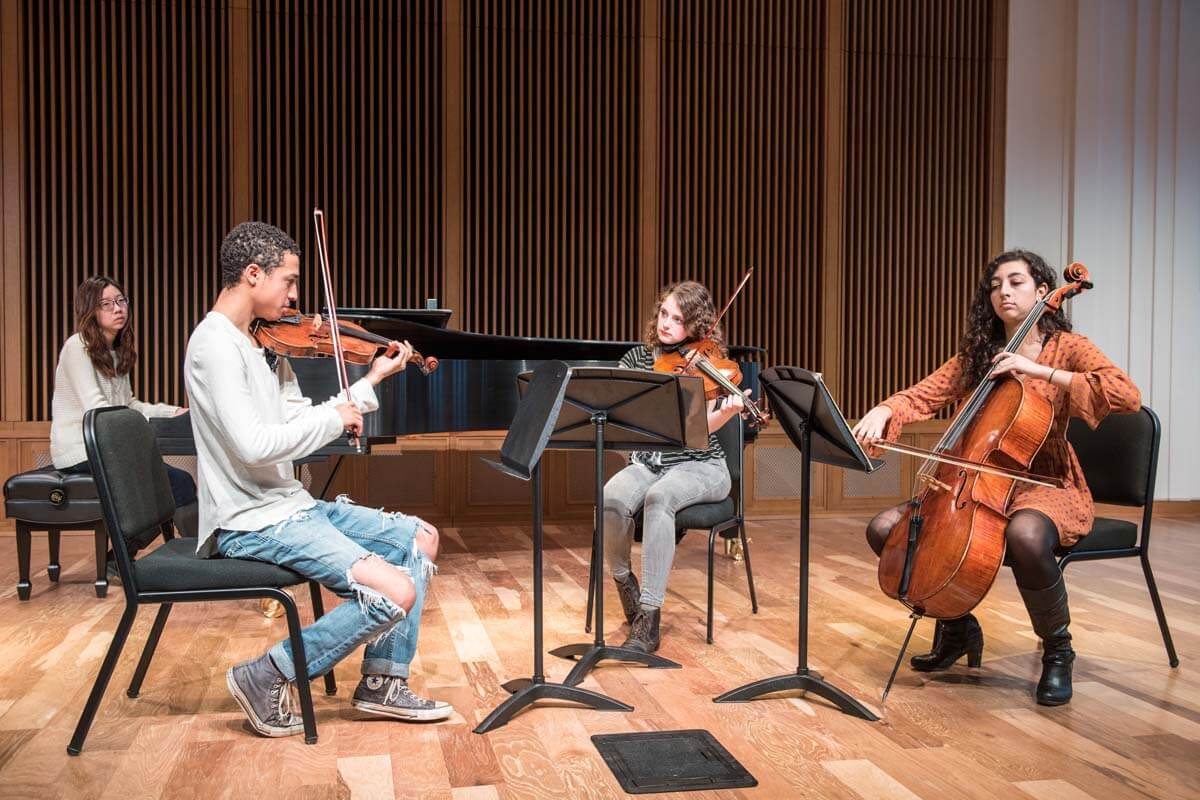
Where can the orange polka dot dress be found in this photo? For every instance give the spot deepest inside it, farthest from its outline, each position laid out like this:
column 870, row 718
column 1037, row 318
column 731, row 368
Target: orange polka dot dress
column 1098, row 388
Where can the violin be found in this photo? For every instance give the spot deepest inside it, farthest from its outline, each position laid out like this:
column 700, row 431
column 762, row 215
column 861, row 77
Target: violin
column 297, row 336
column 942, row 556
column 721, row 375
column 704, row 358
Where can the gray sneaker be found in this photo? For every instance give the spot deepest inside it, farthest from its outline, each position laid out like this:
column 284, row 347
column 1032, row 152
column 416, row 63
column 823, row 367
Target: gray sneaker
column 266, row 697
column 390, row 697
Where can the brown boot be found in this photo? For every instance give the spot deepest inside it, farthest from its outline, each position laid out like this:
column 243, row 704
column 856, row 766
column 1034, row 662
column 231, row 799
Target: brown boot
column 630, row 594
column 643, row 631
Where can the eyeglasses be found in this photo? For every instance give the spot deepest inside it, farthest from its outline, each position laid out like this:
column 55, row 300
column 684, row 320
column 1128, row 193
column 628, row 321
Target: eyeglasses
column 117, row 302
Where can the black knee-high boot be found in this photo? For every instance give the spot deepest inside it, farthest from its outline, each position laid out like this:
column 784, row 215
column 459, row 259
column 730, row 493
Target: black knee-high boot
column 1051, row 619
column 952, row 640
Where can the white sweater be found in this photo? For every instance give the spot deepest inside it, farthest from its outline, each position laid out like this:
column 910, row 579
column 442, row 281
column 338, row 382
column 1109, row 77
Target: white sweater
column 249, row 424
column 79, row 387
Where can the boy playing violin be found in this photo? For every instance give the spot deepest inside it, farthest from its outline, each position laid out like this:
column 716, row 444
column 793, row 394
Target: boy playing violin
column 250, row 421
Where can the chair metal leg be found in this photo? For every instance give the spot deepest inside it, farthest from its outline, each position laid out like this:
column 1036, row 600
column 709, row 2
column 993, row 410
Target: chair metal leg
column 587, row 625
column 53, row 568
column 318, row 604
column 101, row 560
column 749, row 572
column 139, row 674
column 106, row 670
column 24, row 544
column 1172, row 658
column 300, row 660
column 712, row 543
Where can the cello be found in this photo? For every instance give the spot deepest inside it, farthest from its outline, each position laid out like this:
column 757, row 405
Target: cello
column 942, row 556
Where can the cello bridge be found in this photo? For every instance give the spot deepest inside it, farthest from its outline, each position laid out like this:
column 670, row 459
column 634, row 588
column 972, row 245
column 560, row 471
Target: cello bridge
column 935, row 483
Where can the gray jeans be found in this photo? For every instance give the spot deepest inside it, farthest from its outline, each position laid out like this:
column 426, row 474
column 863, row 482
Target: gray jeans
column 662, row 494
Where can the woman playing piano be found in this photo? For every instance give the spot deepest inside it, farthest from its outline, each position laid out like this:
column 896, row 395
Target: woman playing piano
column 662, row 483
column 93, row 371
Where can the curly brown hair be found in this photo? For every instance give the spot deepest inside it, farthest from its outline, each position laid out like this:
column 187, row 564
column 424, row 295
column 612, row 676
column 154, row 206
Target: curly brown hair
column 985, row 334
column 699, row 314
column 87, row 302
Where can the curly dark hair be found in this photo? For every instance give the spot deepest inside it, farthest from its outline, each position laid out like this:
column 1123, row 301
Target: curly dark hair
column 253, row 243
column 87, row 301
column 699, row 314
column 985, row 334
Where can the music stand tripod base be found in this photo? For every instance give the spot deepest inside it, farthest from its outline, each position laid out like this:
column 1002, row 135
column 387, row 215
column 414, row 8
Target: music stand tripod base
column 644, row 411
column 590, row 654
column 520, row 457
column 527, row 691
column 814, row 424
column 806, row 680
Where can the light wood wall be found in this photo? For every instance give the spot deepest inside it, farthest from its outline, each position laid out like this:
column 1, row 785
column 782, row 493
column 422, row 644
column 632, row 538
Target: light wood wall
column 1110, row 176
column 541, row 168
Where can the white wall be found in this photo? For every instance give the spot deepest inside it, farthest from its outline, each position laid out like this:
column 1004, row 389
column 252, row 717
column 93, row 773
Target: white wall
column 1102, row 166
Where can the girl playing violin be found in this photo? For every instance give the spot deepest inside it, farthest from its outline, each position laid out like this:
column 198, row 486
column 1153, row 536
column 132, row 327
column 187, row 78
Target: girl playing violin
column 662, row 483
column 93, row 371
column 1079, row 381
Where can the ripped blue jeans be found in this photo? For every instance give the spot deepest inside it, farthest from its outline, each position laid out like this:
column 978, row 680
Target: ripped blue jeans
column 323, row 543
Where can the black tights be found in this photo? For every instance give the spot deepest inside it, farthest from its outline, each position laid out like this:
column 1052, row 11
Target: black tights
column 1030, row 539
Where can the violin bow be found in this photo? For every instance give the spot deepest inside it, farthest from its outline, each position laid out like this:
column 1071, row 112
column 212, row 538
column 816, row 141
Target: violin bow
column 335, row 335
column 728, row 303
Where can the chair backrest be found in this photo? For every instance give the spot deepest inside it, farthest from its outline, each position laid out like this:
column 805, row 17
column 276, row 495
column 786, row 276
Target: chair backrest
column 1120, row 457
column 131, row 479
column 731, row 438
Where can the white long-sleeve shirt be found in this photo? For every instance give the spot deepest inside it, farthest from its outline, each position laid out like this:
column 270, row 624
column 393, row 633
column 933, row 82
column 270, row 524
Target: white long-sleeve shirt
column 250, row 423
column 79, row 387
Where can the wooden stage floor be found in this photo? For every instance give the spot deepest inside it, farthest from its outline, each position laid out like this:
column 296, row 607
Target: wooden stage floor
column 1133, row 729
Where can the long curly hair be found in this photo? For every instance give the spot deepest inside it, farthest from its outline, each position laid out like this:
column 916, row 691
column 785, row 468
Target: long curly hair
column 699, row 314
column 985, row 334
column 87, row 303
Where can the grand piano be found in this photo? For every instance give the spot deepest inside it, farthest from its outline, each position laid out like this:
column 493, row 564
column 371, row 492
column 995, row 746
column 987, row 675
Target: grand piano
column 474, row 387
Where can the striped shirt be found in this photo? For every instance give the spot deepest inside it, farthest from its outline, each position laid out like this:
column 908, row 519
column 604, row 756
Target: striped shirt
column 641, row 358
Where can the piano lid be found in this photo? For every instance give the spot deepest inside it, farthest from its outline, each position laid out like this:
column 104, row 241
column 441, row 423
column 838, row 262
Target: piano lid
column 433, row 317
column 399, row 324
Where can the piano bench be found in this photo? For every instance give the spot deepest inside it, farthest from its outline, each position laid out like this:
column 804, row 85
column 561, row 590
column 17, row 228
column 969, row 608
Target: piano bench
column 53, row 501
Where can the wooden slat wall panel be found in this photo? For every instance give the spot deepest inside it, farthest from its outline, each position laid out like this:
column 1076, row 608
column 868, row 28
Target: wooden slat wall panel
column 917, row 143
column 574, row 154
column 550, row 194
column 125, row 175
column 742, row 105
column 347, row 100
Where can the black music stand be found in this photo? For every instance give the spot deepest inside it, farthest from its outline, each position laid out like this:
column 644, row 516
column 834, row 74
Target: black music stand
column 811, row 419
column 520, row 456
column 623, row 409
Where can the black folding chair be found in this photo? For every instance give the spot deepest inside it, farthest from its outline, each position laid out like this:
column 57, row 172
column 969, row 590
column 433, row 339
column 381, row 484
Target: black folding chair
column 1119, row 460
column 135, row 497
column 724, row 518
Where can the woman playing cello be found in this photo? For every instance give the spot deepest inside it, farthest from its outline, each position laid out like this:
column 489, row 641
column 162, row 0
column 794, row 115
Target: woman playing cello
column 1079, row 381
